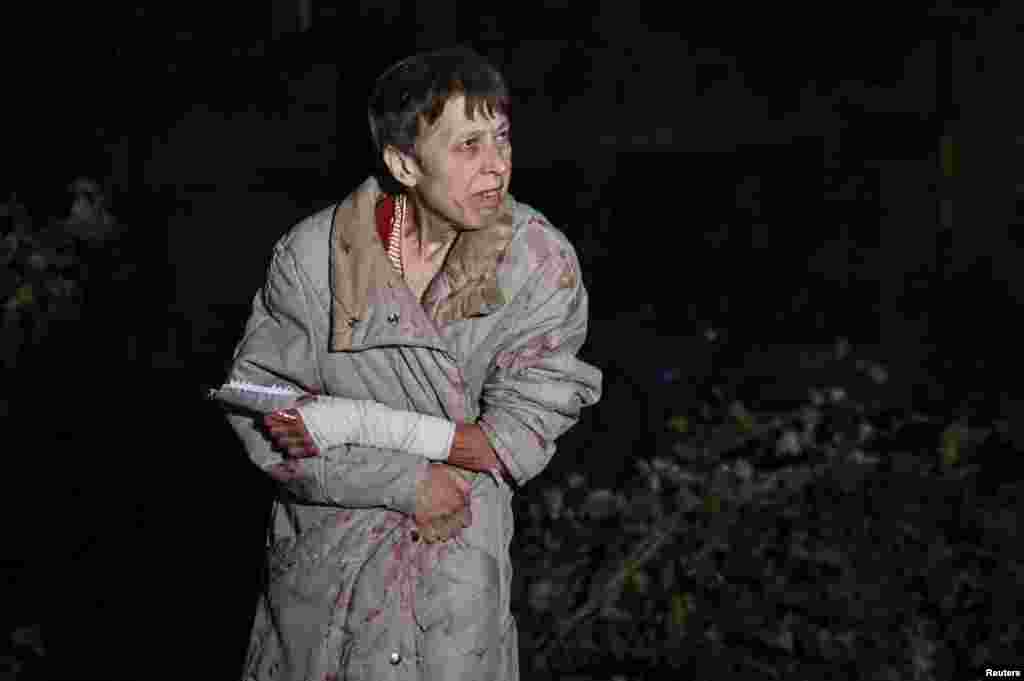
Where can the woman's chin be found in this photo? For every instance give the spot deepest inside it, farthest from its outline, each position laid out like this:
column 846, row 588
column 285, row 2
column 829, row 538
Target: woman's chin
column 477, row 221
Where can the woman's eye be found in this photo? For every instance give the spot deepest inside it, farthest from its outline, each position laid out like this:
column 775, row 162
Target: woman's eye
column 470, row 143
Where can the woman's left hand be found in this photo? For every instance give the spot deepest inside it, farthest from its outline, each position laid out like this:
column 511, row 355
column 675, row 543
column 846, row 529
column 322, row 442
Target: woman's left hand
column 288, row 431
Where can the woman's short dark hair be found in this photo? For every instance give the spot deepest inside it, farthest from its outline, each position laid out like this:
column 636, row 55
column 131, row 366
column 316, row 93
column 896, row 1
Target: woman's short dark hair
column 412, row 94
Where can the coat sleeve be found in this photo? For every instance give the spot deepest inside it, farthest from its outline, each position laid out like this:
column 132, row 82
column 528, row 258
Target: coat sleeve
column 280, row 347
column 537, row 386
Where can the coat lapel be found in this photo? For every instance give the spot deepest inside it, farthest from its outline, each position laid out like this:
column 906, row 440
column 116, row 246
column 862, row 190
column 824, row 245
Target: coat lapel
column 358, row 264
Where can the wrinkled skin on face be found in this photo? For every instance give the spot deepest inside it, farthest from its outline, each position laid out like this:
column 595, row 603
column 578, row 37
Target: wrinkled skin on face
column 461, row 171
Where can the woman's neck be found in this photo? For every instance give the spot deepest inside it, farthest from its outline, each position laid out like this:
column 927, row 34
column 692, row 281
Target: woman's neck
column 426, row 232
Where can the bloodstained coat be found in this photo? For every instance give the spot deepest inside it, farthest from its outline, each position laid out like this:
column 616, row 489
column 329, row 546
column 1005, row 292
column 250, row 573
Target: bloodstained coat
column 352, row 596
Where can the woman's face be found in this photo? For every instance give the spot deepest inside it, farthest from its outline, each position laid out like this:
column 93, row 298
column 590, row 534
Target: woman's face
column 465, row 165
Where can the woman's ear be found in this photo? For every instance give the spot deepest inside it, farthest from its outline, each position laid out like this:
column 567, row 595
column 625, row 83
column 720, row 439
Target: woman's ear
column 402, row 166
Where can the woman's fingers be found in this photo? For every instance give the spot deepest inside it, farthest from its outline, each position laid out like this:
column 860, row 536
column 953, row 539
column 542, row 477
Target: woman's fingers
column 291, row 436
column 284, row 416
column 433, row 530
column 444, row 527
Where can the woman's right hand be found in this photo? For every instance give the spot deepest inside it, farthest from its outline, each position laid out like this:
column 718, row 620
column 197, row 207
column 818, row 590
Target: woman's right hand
column 442, row 504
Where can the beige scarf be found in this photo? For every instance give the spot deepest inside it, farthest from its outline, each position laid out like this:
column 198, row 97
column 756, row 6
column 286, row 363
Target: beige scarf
column 359, row 265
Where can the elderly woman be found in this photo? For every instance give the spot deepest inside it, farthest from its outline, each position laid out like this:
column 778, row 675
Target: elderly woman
column 433, row 323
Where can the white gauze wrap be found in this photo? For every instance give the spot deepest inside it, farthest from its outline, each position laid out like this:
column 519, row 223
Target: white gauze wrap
column 334, row 421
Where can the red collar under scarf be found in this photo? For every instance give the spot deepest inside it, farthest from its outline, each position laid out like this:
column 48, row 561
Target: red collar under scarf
column 385, row 212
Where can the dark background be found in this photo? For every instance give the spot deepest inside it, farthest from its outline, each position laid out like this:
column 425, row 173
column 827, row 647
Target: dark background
column 775, row 174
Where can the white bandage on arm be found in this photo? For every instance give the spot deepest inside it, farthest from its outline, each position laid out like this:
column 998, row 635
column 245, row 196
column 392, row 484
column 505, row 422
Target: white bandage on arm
column 334, row 421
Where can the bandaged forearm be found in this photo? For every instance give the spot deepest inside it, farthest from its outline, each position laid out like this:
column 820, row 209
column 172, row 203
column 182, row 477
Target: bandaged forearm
column 335, row 421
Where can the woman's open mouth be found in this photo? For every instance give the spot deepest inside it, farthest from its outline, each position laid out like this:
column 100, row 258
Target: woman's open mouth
column 491, row 197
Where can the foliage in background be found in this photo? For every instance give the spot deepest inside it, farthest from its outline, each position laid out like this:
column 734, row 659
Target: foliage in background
column 43, row 270
column 835, row 540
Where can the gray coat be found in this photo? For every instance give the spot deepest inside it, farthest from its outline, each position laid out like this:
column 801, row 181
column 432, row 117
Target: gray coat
column 351, row 594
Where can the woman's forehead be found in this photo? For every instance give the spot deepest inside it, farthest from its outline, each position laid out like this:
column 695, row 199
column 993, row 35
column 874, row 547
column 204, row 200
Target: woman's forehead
column 453, row 120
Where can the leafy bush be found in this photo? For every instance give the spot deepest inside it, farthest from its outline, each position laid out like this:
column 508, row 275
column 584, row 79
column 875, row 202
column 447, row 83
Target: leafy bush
column 43, row 271
column 831, row 541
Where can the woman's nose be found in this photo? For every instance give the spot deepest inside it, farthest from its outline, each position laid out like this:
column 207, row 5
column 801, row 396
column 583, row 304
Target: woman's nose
column 497, row 160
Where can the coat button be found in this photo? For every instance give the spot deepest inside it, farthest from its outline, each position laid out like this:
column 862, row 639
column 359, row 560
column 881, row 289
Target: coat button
column 393, row 318
column 395, row 658
column 352, row 321
column 415, row 535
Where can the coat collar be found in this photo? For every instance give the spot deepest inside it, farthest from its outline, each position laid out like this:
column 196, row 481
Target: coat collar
column 362, row 278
